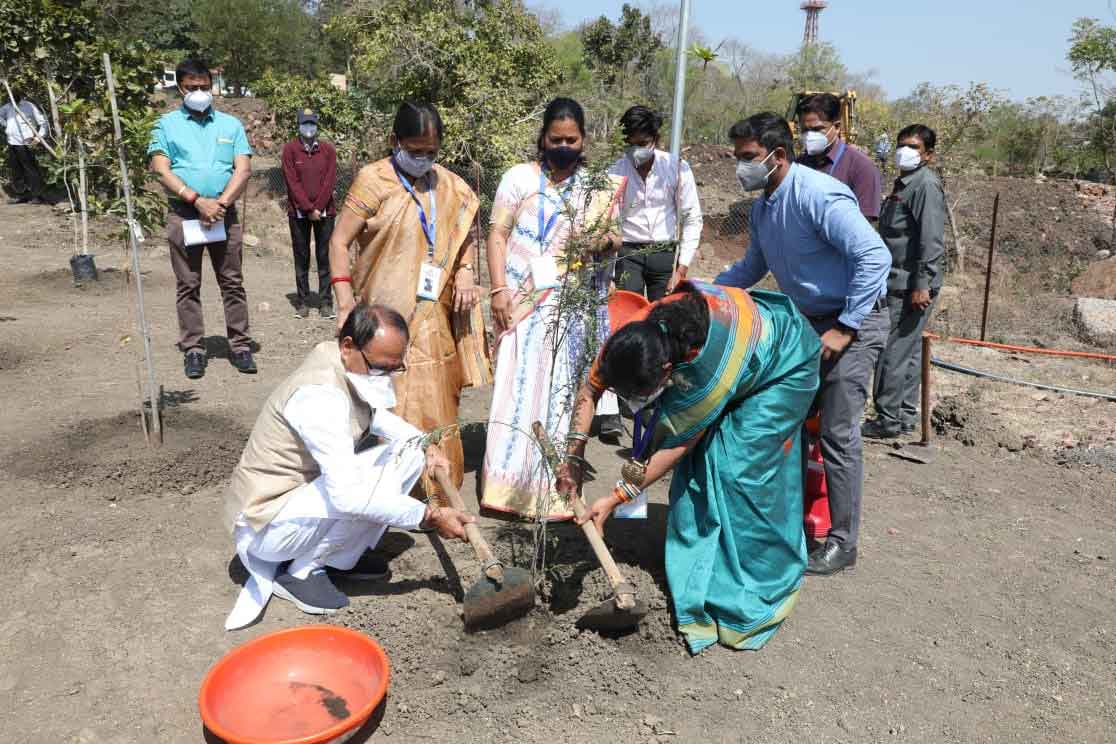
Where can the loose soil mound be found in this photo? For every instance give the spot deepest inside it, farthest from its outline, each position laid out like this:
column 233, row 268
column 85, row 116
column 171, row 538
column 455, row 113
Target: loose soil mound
column 438, row 667
column 109, row 456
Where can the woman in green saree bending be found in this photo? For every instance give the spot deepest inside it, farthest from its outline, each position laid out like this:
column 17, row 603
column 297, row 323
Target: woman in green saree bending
column 721, row 381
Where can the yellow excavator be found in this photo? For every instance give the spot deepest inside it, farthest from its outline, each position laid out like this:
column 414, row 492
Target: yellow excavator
column 848, row 112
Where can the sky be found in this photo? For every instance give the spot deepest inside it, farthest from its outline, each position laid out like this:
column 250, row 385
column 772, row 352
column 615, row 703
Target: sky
column 1017, row 46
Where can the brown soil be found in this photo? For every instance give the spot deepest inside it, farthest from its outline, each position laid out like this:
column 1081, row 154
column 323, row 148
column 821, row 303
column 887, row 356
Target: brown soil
column 981, row 609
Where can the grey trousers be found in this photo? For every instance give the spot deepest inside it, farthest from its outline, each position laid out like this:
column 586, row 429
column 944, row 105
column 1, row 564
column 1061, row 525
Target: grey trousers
column 841, row 398
column 899, row 371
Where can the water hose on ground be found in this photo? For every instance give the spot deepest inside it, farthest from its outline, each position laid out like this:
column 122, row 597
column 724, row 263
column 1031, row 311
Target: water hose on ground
column 990, row 376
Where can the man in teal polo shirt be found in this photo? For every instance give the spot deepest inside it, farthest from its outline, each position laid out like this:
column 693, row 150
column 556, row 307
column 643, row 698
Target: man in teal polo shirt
column 203, row 160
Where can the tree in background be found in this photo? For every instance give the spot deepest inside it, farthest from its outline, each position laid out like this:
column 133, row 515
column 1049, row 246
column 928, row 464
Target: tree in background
column 817, row 67
column 1092, row 55
column 619, row 52
column 50, row 44
column 248, row 37
column 486, row 67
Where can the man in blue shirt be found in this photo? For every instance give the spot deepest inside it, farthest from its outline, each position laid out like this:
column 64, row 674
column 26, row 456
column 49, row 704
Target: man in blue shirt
column 203, row 160
column 807, row 230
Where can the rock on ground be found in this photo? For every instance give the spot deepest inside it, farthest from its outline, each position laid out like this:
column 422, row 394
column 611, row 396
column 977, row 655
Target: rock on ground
column 1096, row 319
column 1099, row 280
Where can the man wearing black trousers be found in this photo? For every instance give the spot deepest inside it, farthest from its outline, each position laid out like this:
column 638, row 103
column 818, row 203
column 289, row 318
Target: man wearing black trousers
column 310, row 170
column 25, row 127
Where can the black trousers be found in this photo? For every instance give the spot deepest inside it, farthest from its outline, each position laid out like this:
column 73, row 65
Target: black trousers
column 301, row 230
column 636, row 270
column 25, row 170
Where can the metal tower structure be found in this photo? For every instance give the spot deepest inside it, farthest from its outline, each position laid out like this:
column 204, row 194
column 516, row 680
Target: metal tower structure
column 813, row 9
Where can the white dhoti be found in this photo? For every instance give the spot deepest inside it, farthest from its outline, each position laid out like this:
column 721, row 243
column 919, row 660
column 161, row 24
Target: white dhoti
column 311, row 533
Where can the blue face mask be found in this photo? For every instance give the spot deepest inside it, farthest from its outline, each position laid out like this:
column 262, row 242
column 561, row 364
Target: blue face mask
column 414, row 166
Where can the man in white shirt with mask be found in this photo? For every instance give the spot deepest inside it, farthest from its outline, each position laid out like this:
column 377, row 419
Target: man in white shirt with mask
column 327, row 469
column 659, row 192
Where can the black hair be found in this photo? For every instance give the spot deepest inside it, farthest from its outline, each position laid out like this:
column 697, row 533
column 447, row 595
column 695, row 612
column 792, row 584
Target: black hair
column 633, row 359
column 191, row 66
column 768, row 129
column 365, row 320
column 641, row 120
column 414, row 119
column 926, row 134
column 558, row 110
column 825, row 105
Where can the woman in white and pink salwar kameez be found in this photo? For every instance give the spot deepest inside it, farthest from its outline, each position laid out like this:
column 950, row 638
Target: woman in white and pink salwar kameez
column 541, row 357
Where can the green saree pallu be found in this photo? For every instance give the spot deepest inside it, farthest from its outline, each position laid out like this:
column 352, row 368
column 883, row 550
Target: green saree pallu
column 735, row 548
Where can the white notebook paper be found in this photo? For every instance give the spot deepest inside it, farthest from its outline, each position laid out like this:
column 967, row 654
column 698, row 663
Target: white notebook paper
column 194, row 233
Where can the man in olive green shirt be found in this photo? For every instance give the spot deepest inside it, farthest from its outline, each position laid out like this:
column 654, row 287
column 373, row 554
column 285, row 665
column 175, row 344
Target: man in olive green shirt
column 912, row 224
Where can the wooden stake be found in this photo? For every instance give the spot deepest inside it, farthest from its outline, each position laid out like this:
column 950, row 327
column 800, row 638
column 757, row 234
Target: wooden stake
column 83, row 199
column 988, row 272
column 153, row 425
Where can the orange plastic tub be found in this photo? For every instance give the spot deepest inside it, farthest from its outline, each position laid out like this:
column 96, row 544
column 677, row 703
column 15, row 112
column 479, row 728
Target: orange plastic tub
column 309, row 685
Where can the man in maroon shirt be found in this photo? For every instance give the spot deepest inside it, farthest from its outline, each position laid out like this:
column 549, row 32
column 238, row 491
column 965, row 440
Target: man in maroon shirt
column 310, row 170
column 824, row 149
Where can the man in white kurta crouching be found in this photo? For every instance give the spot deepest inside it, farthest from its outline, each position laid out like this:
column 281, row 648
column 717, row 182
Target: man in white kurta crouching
column 327, row 469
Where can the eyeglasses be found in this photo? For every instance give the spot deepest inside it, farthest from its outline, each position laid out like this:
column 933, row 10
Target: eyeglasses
column 377, row 370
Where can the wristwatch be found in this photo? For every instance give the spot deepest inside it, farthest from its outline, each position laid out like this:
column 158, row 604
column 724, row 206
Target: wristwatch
column 851, row 331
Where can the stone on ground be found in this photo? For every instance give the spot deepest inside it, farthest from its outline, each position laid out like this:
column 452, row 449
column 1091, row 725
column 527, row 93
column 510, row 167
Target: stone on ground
column 1096, row 319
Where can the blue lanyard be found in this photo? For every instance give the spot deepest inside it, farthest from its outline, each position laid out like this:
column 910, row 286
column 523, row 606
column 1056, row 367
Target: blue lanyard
column 836, row 160
column 641, row 439
column 547, row 224
column 429, row 229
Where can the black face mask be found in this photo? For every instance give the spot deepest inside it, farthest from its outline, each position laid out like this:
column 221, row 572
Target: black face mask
column 562, row 157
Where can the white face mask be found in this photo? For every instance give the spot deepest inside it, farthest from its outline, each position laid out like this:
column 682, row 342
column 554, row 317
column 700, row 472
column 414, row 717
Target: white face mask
column 198, row 100
column 639, row 402
column 752, row 175
column 308, row 131
column 815, row 143
column 640, row 155
column 377, row 390
column 907, row 159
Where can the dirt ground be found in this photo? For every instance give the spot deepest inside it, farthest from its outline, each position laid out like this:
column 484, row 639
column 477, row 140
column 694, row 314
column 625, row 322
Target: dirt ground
column 982, row 609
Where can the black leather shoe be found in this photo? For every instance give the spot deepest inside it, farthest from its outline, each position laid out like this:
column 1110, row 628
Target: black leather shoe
column 194, row 363
column 830, row 559
column 243, row 362
column 876, row 430
column 612, row 429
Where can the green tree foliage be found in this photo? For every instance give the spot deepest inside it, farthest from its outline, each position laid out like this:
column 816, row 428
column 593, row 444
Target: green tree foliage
column 817, row 67
column 486, row 67
column 341, row 114
column 47, row 42
column 248, row 37
column 166, row 26
column 1092, row 54
column 622, row 51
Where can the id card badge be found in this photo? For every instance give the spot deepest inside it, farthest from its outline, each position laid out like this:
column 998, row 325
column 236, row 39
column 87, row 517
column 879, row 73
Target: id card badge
column 544, row 272
column 430, row 279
